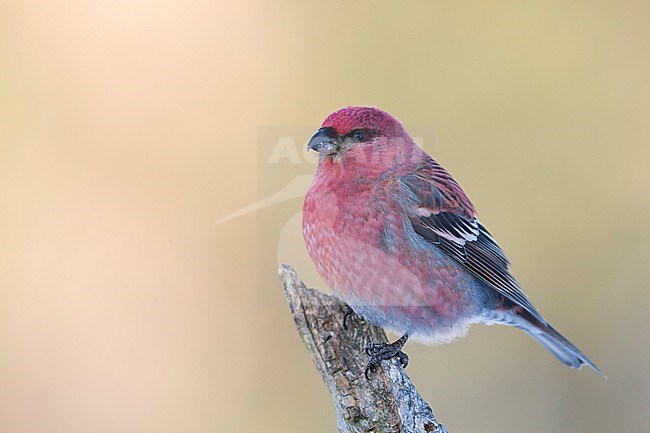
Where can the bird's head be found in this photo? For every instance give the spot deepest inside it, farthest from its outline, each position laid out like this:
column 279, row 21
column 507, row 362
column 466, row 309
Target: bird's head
column 364, row 138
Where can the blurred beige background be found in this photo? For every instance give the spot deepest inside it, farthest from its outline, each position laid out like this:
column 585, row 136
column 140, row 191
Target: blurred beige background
column 128, row 128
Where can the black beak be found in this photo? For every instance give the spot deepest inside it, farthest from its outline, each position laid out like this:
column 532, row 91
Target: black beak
column 325, row 141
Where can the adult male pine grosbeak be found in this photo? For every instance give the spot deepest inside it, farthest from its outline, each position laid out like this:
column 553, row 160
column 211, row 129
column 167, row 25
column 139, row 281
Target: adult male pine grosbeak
column 397, row 239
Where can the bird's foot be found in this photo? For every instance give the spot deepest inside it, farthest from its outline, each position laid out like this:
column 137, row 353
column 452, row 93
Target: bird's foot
column 346, row 316
column 381, row 352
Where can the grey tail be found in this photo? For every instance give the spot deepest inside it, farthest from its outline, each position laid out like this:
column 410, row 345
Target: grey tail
column 552, row 340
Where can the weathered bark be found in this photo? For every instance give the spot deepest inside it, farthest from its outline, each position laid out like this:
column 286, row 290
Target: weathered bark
column 388, row 402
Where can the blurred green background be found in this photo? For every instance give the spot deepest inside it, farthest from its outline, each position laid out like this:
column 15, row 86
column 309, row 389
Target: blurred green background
column 128, row 128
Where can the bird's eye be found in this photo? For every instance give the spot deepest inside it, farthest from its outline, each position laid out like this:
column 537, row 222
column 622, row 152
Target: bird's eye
column 359, row 135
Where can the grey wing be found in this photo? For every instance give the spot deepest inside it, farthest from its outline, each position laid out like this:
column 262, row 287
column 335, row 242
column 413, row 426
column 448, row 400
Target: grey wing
column 471, row 245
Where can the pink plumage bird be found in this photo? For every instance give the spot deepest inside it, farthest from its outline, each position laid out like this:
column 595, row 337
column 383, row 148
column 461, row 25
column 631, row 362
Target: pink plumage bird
column 397, row 239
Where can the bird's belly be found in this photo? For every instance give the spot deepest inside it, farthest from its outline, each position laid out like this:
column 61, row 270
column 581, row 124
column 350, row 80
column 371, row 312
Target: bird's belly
column 394, row 284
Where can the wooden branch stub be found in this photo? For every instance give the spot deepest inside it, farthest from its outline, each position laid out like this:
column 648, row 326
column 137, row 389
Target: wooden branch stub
column 388, row 402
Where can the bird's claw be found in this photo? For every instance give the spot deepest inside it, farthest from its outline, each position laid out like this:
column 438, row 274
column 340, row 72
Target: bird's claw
column 348, row 312
column 381, row 352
